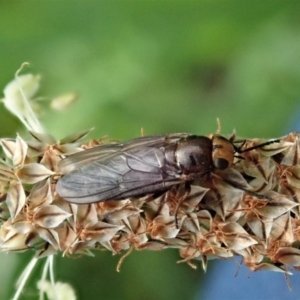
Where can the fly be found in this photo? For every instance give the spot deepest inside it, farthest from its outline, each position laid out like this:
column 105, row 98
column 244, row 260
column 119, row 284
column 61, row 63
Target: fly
column 144, row 166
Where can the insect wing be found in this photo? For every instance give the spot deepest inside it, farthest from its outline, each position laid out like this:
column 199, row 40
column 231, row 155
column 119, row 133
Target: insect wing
column 117, row 174
column 107, row 151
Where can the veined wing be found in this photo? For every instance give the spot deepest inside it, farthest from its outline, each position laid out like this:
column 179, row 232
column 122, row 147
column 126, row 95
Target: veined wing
column 130, row 172
column 107, row 151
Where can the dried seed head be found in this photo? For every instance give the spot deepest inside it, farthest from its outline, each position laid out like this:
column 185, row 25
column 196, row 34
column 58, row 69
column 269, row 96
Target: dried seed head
column 250, row 209
column 210, row 218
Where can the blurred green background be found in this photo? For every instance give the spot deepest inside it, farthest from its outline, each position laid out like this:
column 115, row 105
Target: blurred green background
column 166, row 66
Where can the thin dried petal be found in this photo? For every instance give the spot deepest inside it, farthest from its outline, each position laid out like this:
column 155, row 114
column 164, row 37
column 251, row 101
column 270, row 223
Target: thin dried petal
column 194, row 197
column 153, row 245
column 20, row 226
column 175, row 242
column 34, row 241
column 16, row 242
column 205, row 218
column 35, row 149
column 33, row 173
column 260, row 227
column 67, row 236
column 50, row 160
column 189, row 252
column 118, row 244
column 204, row 263
column 250, row 256
column 291, row 158
column 71, row 209
column 9, row 147
column 20, row 152
column 208, row 242
column 234, row 179
column 164, row 227
column 219, row 252
column 47, row 251
column 123, row 213
column 16, row 198
column 282, row 229
column 235, row 237
column 101, row 232
column 229, row 206
column 293, row 177
column 50, row 216
column 69, row 148
column 288, row 256
column 6, row 172
column 75, row 137
column 135, row 239
column 86, row 214
column 41, row 137
column 153, row 207
column 257, row 166
column 276, row 206
column 136, row 224
column 40, row 194
column 191, row 223
column 266, row 267
column 293, row 194
column 4, row 211
column 50, row 236
column 261, row 186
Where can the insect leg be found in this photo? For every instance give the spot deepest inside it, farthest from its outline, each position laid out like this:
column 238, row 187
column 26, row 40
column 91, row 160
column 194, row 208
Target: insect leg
column 233, row 184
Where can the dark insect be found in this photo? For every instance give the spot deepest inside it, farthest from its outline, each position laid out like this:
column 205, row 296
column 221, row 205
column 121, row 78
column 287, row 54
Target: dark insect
column 143, row 166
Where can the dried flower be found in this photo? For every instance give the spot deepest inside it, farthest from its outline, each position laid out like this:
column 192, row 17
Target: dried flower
column 17, row 97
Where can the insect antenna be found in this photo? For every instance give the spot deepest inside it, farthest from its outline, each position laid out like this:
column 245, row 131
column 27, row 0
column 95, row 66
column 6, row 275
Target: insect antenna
column 239, row 156
column 239, row 149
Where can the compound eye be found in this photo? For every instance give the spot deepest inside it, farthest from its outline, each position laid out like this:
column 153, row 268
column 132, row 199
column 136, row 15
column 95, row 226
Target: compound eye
column 221, row 163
